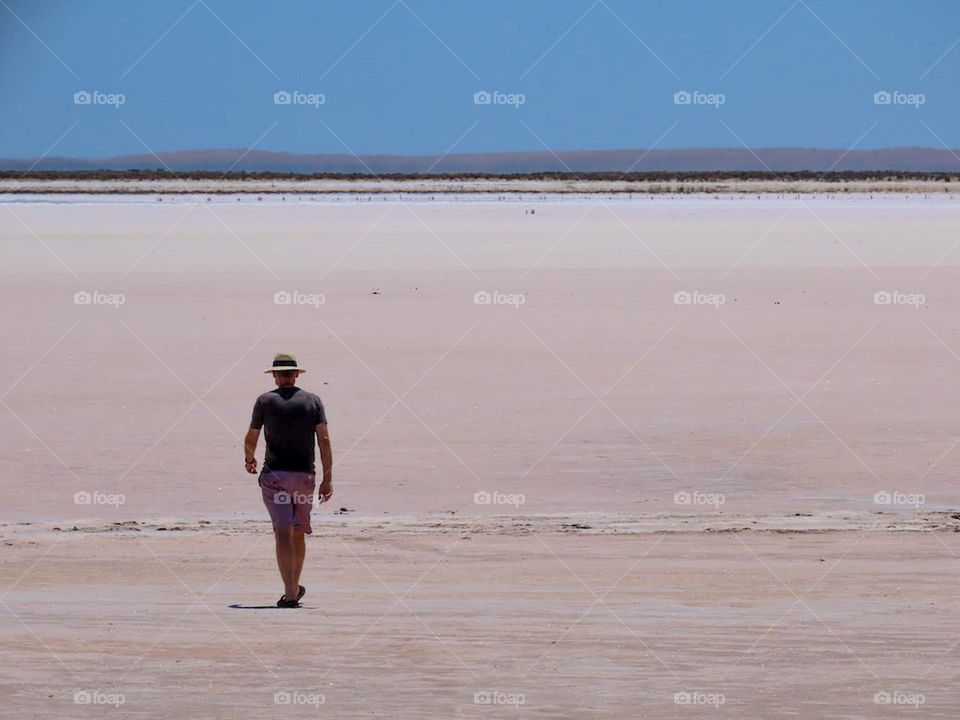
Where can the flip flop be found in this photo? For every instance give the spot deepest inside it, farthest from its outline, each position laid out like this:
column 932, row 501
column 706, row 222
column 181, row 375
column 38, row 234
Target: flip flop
column 303, row 591
column 284, row 603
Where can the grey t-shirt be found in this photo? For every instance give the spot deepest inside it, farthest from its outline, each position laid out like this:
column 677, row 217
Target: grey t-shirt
column 291, row 416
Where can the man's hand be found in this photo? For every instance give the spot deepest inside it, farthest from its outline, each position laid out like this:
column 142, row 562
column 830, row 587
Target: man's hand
column 326, row 490
column 251, row 465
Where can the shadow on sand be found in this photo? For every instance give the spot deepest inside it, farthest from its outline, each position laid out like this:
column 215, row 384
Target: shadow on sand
column 264, row 607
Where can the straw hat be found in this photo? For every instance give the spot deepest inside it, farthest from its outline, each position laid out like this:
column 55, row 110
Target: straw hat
column 283, row 362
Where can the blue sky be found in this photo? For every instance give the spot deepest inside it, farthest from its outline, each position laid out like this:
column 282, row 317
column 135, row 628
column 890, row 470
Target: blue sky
column 400, row 77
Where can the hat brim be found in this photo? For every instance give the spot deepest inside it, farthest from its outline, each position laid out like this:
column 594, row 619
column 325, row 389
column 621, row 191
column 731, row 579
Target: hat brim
column 282, row 368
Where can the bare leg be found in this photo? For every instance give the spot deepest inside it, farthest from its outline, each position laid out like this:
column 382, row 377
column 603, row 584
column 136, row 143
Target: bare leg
column 299, row 552
column 286, row 560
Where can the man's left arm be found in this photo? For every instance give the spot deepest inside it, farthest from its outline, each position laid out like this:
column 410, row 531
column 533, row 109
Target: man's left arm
column 250, row 448
column 251, row 438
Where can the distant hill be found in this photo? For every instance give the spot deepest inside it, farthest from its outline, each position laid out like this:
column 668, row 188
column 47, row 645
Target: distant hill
column 685, row 160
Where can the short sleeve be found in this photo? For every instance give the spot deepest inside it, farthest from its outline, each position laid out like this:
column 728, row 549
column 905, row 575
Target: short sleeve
column 256, row 420
column 321, row 413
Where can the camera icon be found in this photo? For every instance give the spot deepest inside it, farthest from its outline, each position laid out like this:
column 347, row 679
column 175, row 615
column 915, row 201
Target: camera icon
column 882, row 298
column 82, row 697
column 682, row 498
column 682, row 97
column 482, row 498
column 482, row 698
column 282, row 698
column 482, row 97
column 282, row 97
column 482, row 298
column 82, row 498
column 882, row 698
column 282, row 297
column 82, row 97
column 682, row 298
column 282, row 497
column 682, row 698
column 882, row 97
column 82, row 297
column 882, row 498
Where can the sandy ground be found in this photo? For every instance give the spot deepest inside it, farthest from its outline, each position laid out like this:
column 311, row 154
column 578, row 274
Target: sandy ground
column 508, row 463
column 553, row 624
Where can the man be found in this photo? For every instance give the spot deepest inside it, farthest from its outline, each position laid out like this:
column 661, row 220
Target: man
column 293, row 418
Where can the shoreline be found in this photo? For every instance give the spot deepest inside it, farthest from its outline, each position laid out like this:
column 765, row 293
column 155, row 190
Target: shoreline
column 427, row 186
column 607, row 524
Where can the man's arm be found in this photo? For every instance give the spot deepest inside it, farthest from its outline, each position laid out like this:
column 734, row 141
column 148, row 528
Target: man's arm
column 249, row 448
column 326, row 459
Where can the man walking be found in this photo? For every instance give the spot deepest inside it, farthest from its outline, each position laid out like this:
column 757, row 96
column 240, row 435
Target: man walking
column 294, row 419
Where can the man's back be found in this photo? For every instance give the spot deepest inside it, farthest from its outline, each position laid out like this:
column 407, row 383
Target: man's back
column 290, row 415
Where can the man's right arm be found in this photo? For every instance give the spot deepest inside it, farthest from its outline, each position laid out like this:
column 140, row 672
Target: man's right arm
column 326, row 460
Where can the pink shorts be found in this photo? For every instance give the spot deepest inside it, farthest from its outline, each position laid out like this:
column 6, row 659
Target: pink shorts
column 288, row 496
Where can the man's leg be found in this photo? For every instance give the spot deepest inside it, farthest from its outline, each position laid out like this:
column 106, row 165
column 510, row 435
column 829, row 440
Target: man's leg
column 286, row 560
column 301, row 514
column 299, row 552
